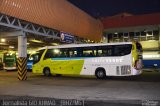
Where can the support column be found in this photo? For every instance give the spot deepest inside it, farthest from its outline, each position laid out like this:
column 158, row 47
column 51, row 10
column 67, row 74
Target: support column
column 22, row 57
column 106, row 38
column 159, row 33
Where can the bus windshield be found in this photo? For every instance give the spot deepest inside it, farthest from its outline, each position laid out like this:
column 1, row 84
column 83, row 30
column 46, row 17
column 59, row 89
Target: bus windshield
column 37, row 56
column 9, row 57
column 9, row 60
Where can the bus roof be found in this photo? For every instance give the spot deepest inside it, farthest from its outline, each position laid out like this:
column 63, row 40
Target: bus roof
column 84, row 45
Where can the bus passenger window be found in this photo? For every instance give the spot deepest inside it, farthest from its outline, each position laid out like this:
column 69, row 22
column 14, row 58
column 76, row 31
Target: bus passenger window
column 99, row 53
column 104, row 51
column 91, row 54
column 89, row 51
column 72, row 53
column 56, row 53
column 63, row 53
column 121, row 50
column 109, row 53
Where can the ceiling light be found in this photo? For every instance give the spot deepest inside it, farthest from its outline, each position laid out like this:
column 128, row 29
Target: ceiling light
column 3, row 44
column 36, row 41
column 3, row 40
column 54, row 44
column 11, row 47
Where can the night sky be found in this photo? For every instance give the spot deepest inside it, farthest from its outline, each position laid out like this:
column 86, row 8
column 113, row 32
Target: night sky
column 102, row 8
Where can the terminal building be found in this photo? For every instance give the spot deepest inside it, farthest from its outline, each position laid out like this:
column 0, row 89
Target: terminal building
column 126, row 27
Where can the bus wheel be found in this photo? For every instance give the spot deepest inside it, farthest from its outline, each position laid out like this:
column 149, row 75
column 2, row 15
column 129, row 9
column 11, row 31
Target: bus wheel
column 100, row 73
column 46, row 71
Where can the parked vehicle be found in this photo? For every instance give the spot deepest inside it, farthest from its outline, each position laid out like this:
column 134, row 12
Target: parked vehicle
column 113, row 59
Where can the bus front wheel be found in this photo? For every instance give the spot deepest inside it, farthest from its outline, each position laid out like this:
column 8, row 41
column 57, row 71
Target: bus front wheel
column 100, row 73
column 46, row 72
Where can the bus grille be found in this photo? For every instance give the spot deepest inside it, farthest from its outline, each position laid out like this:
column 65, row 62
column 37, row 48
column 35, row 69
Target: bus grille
column 117, row 70
column 126, row 69
column 123, row 70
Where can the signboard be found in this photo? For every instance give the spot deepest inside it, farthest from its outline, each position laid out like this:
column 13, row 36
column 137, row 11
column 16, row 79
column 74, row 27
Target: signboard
column 67, row 38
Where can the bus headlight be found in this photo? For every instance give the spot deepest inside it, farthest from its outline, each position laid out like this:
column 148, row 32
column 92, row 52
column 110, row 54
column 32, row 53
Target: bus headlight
column 128, row 71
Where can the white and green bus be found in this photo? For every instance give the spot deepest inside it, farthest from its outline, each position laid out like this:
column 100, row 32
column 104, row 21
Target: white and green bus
column 100, row 60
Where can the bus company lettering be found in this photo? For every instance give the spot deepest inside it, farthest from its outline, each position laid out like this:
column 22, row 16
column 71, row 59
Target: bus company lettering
column 109, row 60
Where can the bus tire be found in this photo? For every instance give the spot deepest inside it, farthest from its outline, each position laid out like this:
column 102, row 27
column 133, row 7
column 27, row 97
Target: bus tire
column 100, row 73
column 58, row 75
column 46, row 72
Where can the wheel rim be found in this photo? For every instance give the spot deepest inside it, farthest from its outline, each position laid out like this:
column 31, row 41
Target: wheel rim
column 100, row 74
column 47, row 72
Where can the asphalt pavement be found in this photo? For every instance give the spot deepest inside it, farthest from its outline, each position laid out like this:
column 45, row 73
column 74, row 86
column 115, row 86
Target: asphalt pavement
column 121, row 91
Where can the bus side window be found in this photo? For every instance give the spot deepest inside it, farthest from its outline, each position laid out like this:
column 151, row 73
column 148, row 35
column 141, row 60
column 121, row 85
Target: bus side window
column 64, row 53
column 79, row 51
column 99, row 53
column 102, row 51
column 119, row 50
column 109, row 52
column 73, row 52
column 89, row 51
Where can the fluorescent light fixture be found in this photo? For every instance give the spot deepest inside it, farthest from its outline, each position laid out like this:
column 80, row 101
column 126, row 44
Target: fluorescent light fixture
column 3, row 40
column 36, row 41
column 11, row 47
column 3, row 44
column 151, row 56
column 54, row 44
column 32, row 52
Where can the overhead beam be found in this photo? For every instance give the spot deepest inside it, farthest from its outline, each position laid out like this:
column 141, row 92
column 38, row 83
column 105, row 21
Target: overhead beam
column 11, row 34
column 25, row 26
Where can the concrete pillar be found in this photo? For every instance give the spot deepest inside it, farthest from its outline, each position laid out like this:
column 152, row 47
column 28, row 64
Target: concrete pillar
column 159, row 33
column 22, row 57
column 22, row 45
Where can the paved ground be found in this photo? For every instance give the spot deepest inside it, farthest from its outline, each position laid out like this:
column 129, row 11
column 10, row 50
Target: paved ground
column 92, row 90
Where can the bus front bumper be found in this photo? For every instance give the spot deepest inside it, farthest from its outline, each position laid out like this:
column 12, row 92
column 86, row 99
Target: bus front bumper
column 9, row 68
